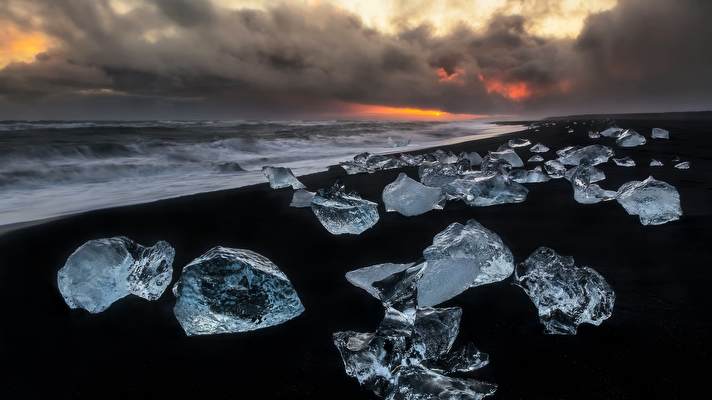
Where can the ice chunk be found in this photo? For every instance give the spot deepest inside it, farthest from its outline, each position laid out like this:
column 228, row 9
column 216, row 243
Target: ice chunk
column 656, row 163
column 340, row 212
column 566, row 150
column 539, row 148
column 535, row 158
column 555, row 169
column 518, row 142
column 103, row 271
column 474, row 158
column 465, row 359
column 417, row 382
column 301, row 198
column 595, row 154
column 509, row 155
column 412, row 160
column 486, row 189
column 365, row 277
column 409, row 197
column 624, row 162
column 353, row 168
column 571, row 130
column 535, row 175
column 683, row 165
column 233, row 290
column 280, row 177
column 439, row 175
column 460, row 257
column 655, row 202
column 585, row 191
column 564, row 294
column 613, row 132
column 594, row 134
column 587, row 172
column 659, row 133
column 445, row 157
column 630, row 138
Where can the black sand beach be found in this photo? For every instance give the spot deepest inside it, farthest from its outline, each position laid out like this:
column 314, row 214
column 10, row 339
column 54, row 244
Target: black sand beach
column 656, row 344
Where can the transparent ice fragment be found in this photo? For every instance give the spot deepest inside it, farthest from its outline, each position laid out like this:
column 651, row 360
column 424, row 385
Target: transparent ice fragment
column 535, row 158
column 539, row 148
column 409, row 197
column 566, row 150
column 613, row 132
column 683, row 165
column 564, row 294
column 412, row 160
column 473, row 157
column 518, row 142
column 585, row 191
column 233, row 290
column 445, row 157
column 280, row 177
column 656, row 163
column 594, row 134
column 535, row 175
column 595, row 154
column 340, row 212
column 301, row 198
column 586, row 172
column 509, row 155
column 103, row 271
column 419, row 383
column 630, row 138
column 654, row 202
column 486, row 189
column 439, row 175
column 555, row 169
column 659, row 133
column 465, row 359
column 624, row 162
column 365, row 277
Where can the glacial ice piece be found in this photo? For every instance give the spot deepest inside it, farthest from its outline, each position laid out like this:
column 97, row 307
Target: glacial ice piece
column 486, row 189
column 353, row 168
column 594, row 134
column 445, row 157
column 655, row 202
column 564, row 294
column 539, row 148
column 555, row 169
column 465, row 359
column 412, row 160
column 509, row 155
column 474, row 158
column 439, row 175
column 630, row 138
column 683, row 165
column 659, row 133
column 460, row 257
column 302, row 198
column 566, row 151
column 409, row 197
column 656, row 163
column 340, row 212
column 417, row 382
column 103, row 271
column 624, row 162
column 365, row 277
column 595, row 154
column 233, row 290
column 535, row 158
column 612, row 132
column 585, row 191
column 518, row 142
column 571, row 130
column 587, row 172
column 280, row 177
column 535, row 175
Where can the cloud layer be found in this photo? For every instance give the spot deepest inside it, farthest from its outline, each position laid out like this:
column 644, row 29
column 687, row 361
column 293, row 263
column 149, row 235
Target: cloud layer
column 195, row 59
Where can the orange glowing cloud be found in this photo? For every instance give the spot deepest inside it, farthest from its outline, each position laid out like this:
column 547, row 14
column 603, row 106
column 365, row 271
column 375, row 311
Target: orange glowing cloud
column 457, row 77
column 515, row 91
column 404, row 113
column 17, row 45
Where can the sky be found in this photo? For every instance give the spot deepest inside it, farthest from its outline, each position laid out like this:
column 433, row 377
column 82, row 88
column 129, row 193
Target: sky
column 347, row 59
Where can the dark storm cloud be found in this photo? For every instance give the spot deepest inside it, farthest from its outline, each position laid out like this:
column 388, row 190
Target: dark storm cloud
column 192, row 59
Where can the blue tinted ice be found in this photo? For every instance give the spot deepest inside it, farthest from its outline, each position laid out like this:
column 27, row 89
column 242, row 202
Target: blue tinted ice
column 280, row 177
column 654, row 202
column 659, row 133
column 630, row 138
column 340, row 212
column 409, row 197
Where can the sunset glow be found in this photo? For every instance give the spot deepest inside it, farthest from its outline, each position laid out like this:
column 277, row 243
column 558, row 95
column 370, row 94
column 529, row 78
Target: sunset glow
column 20, row 46
column 516, row 91
column 408, row 113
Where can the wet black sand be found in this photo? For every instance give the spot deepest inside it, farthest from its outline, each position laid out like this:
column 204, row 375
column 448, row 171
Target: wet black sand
column 656, row 345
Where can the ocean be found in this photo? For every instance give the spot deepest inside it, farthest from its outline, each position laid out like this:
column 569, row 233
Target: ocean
column 50, row 169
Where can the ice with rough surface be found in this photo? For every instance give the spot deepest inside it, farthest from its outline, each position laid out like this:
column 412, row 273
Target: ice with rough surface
column 595, row 154
column 585, row 191
column 486, row 189
column 624, row 162
column 518, row 142
column 340, row 212
column 445, row 157
column 410, row 197
column 630, row 138
column 103, row 271
column 233, row 290
column 613, row 132
column 365, row 277
column 509, row 156
column 586, row 172
column 555, row 169
column 474, row 158
column 564, row 294
column 535, row 175
column 594, row 134
column 302, row 198
column 656, row 163
column 539, row 148
column 535, row 158
column 683, row 165
column 468, row 358
column 654, row 202
column 659, row 133
column 439, row 175
column 419, row 383
column 280, row 177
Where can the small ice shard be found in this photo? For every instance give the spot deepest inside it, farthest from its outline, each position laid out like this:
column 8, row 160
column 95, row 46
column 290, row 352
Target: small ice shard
column 233, row 290
column 473, row 157
column 539, row 148
column 486, row 189
column 509, row 155
column 412, row 160
column 613, row 132
column 103, row 271
column 656, row 163
column 630, row 138
column 571, row 130
column 301, row 198
column 594, row 134
column 624, row 162
column 465, row 359
column 462, row 256
column 555, row 169
column 366, row 276
column 595, row 154
column 683, row 165
column 340, row 212
column 585, row 191
column 409, row 197
column 439, row 175
column 416, row 382
column 535, row 175
column 518, row 142
column 535, row 158
column 280, row 177
column 398, row 142
column 655, row 202
column 566, row 151
column 564, row 294
column 445, row 157
column 659, row 133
